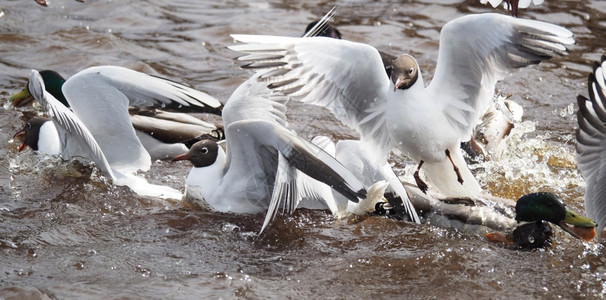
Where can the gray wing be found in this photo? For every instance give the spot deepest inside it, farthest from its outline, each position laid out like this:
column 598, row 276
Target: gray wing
column 146, row 90
column 250, row 141
column 478, row 50
column 171, row 127
column 76, row 139
column 103, row 108
column 100, row 97
column 591, row 144
column 253, row 100
column 326, row 72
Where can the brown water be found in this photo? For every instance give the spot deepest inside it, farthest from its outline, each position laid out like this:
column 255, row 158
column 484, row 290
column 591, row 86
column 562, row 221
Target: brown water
column 65, row 233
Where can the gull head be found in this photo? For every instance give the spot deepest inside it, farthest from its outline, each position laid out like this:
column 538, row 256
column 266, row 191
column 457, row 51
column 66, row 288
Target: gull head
column 201, row 154
column 30, row 134
column 405, row 72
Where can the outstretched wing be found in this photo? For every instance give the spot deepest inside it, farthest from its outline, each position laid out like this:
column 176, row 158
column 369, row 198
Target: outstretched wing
column 478, row 50
column 100, row 97
column 250, row 140
column 147, row 90
column 76, row 139
column 591, row 144
column 347, row 78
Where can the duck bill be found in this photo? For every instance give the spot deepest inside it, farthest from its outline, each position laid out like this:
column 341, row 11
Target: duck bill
column 581, row 224
column 21, row 98
column 578, row 220
column 569, row 229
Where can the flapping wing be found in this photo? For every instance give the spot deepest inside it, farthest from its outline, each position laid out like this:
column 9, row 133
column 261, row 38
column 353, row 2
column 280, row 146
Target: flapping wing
column 591, row 144
column 347, row 78
column 253, row 100
column 478, row 50
column 103, row 108
column 285, row 193
column 146, row 90
column 258, row 136
column 76, row 139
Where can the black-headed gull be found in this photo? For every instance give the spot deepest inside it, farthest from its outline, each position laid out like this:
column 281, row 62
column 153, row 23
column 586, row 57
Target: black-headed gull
column 264, row 162
column 591, row 140
column 98, row 125
column 426, row 123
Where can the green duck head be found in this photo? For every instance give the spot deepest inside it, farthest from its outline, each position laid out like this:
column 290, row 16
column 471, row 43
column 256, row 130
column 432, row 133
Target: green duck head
column 549, row 207
column 53, row 83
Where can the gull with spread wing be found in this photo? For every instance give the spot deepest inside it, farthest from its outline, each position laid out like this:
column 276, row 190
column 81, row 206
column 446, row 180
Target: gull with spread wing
column 97, row 124
column 426, row 123
column 265, row 165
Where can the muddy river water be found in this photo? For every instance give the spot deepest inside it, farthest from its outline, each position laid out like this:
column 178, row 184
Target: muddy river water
column 66, row 234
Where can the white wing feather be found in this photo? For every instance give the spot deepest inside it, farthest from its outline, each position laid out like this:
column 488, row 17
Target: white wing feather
column 478, row 50
column 75, row 138
column 591, row 144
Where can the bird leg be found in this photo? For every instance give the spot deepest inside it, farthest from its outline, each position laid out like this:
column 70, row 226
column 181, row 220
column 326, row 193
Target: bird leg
column 420, row 183
column 513, row 5
column 456, row 169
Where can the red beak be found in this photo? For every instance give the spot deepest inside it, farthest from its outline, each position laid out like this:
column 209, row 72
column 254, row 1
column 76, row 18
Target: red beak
column 20, row 136
column 183, row 156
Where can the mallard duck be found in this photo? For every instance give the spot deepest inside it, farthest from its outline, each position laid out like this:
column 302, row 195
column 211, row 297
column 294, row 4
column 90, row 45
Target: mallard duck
column 97, row 124
column 591, row 137
column 475, row 52
column 534, row 212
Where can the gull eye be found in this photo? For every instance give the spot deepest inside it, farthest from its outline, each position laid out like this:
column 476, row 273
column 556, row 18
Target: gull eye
column 204, row 150
column 29, row 126
column 411, row 70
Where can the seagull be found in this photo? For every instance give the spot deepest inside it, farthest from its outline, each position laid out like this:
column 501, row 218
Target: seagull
column 591, row 137
column 352, row 155
column 163, row 134
column 263, row 166
column 512, row 5
column 98, row 126
column 426, row 123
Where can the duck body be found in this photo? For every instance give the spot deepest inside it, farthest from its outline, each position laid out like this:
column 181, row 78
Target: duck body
column 534, row 213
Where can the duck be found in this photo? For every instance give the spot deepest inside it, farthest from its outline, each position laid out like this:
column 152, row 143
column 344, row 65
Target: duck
column 163, row 134
column 534, row 213
column 590, row 137
column 97, row 124
column 265, row 166
column 521, row 224
column 426, row 123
